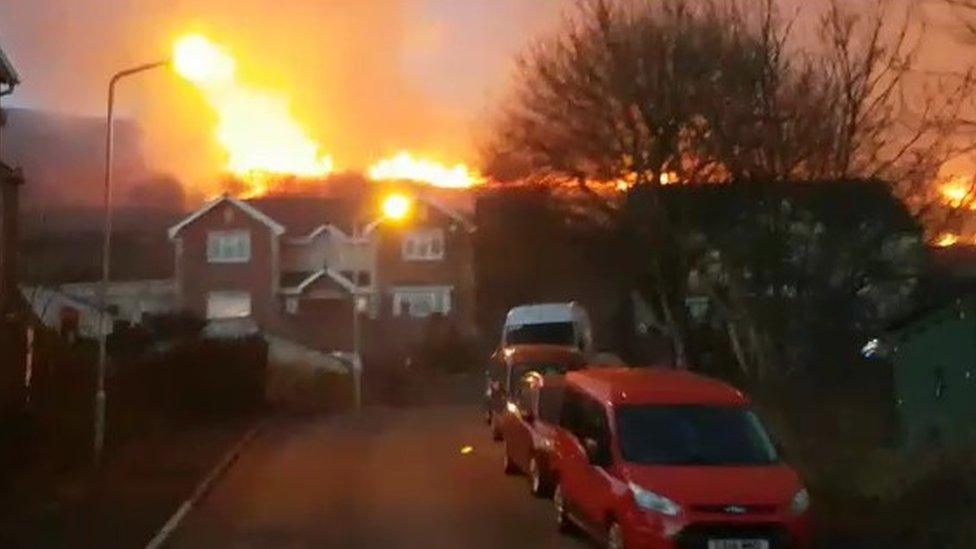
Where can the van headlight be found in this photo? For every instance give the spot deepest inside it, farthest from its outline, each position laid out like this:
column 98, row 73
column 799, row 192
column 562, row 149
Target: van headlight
column 649, row 501
column 801, row 502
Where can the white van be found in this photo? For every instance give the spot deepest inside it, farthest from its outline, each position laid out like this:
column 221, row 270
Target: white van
column 549, row 324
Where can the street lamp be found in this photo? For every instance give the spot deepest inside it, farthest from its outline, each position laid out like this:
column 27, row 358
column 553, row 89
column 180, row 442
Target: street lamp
column 396, row 207
column 99, row 441
column 194, row 59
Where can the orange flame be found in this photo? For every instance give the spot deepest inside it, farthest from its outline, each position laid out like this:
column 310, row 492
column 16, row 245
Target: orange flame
column 946, row 240
column 255, row 127
column 406, row 167
column 670, row 178
column 959, row 192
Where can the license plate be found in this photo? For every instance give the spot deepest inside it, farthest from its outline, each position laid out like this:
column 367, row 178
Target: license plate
column 738, row 544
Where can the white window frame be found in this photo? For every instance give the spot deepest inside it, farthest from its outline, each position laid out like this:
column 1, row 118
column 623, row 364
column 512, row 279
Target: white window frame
column 227, row 305
column 407, row 301
column 229, row 247
column 424, row 245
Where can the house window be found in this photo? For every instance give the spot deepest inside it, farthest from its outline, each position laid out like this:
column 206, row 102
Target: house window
column 227, row 305
column 291, row 305
column 424, row 245
column 421, row 302
column 229, row 246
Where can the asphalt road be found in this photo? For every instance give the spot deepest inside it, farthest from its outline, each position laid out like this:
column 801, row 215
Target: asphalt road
column 391, row 478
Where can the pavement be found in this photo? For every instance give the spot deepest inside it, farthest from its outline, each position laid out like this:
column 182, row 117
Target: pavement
column 122, row 504
column 387, row 478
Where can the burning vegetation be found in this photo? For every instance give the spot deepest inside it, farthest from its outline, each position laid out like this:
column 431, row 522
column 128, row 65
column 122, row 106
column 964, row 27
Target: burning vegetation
column 268, row 150
column 262, row 139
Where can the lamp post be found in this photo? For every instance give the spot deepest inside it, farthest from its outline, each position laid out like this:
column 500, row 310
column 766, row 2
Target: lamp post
column 395, row 208
column 202, row 63
column 104, row 318
column 359, row 306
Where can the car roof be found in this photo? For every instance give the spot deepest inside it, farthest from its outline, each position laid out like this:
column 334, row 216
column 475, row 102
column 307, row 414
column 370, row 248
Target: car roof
column 616, row 386
column 517, row 354
column 541, row 313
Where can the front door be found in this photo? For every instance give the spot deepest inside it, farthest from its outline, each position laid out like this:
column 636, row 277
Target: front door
column 585, row 482
column 595, row 481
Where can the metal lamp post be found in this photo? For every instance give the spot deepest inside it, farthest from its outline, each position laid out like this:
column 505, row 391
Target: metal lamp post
column 359, row 306
column 104, row 317
column 360, row 302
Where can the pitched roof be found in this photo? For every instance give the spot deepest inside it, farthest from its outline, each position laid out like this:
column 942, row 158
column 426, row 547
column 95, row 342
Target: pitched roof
column 8, row 74
column 297, row 285
column 456, row 216
column 300, row 216
column 275, row 227
column 296, row 279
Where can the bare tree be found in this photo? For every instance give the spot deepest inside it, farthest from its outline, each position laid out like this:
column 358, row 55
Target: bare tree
column 636, row 92
column 889, row 123
column 717, row 91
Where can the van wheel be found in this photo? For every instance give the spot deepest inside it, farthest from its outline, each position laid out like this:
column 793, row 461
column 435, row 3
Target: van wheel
column 615, row 536
column 563, row 523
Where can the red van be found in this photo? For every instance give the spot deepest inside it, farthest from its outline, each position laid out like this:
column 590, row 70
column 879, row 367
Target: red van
column 529, row 427
column 650, row 458
column 510, row 364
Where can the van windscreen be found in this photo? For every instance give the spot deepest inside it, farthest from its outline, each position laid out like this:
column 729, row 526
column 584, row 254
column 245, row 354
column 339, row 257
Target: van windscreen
column 547, row 333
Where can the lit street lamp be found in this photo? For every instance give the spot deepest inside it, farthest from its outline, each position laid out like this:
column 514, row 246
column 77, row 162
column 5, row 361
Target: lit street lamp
column 193, row 59
column 397, row 208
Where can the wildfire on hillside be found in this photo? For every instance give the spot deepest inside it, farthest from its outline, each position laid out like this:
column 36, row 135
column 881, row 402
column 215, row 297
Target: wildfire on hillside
column 268, row 150
column 262, row 139
column 406, row 167
column 946, row 240
column 958, row 192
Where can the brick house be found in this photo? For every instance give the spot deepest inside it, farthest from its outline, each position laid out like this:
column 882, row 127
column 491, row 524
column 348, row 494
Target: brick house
column 296, row 265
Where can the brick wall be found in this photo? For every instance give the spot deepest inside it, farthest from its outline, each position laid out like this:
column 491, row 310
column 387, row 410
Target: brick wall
column 456, row 269
column 196, row 277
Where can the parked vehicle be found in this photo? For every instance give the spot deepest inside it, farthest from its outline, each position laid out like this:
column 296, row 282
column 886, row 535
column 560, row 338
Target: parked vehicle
column 667, row 459
column 566, row 324
column 510, row 364
column 529, row 427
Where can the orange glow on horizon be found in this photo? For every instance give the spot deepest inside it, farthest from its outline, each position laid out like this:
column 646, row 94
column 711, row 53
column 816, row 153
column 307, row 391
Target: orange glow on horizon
column 405, row 167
